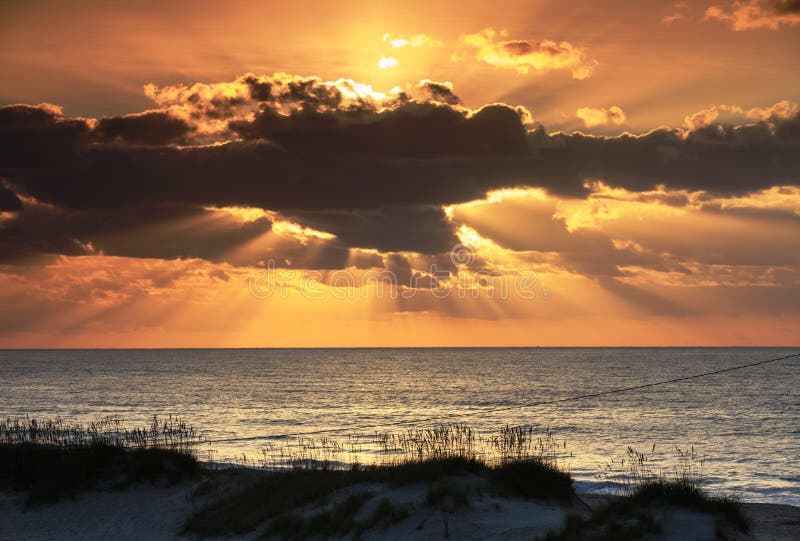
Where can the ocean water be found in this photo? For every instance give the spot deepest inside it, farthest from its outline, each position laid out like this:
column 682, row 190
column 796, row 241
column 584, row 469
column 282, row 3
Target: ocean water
column 746, row 423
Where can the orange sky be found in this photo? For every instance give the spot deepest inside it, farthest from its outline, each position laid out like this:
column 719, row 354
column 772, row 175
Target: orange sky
column 199, row 174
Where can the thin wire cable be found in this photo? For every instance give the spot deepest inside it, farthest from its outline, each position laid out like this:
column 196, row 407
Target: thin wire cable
column 361, row 428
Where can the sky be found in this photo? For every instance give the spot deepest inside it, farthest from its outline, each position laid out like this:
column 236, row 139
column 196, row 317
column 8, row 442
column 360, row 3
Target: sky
column 314, row 174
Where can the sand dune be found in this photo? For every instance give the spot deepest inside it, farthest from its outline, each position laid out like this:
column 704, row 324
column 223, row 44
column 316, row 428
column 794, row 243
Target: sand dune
column 158, row 513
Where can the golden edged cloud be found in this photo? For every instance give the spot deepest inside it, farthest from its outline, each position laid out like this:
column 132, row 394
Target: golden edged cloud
column 629, row 237
column 209, row 108
column 438, row 91
column 525, row 55
column 755, row 14
column 592, row 118
column 781, row 110
column 418, row 40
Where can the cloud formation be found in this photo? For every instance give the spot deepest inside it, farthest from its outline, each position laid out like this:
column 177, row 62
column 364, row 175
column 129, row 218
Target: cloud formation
column 371, row 170
column 592, row 118
column 9, row 202
column 524, row 55
column 753, row 14
column 781, row 111
column 439, row 91
column 418, row 40
column 387, row 62
column 209, row 107
column 679, row 9
column 148, row 128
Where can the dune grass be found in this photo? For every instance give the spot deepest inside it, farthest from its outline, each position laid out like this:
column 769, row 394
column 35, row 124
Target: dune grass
column 681, row 493
column 630, row 516
column 532, row 479
column 440, row 458
column 55, row 459
column 325, row 498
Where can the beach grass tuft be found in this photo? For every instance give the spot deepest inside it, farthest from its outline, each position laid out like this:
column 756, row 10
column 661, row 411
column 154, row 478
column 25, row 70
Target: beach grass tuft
column 630, row 517
column 55, row 459
column 532, row 479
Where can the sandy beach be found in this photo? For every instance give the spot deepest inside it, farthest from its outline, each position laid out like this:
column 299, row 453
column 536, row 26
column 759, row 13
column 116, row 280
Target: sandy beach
column 151, row 512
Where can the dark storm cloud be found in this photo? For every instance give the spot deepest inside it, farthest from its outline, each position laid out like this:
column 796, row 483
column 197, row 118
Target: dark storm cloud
column 38, row 137
column 31, row 117
column 413, row 130
column 416, row 154
column 154, row 232
column 149, row 128
column 390, row 229
column 405, row 276
column 374, row 177
column 314, row 254
column 9, row 200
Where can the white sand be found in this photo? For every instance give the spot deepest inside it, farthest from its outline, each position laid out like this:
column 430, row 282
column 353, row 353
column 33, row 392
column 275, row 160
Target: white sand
column 142, row 512
column 148, row 512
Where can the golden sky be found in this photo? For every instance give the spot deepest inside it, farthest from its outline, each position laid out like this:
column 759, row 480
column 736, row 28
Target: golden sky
column 198, row 174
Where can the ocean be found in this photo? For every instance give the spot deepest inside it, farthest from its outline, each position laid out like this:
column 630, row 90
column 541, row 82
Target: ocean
column 743, row 425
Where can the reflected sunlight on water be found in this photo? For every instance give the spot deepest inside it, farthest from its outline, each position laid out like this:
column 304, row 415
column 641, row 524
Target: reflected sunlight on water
column 744, row 422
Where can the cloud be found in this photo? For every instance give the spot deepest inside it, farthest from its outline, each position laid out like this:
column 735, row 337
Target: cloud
column 748, row 15
column 39, row 136
column 102, row 282
column 525, row 224
column 678, row 13
column 373, row 170
column 421, row 229
column 44, row 114
column 525, row 55
column 787, row 6
column 387, row 62
column 209, row 107
column 212, row 110
column 757, row 230
column 592, row 118
column 418, row 40
column 439, row 91
column 779, row 112
column 155, row 231
column 410, row 153
column 410, row 130
column 621, row 239
column 148, row 128
column 9, row 202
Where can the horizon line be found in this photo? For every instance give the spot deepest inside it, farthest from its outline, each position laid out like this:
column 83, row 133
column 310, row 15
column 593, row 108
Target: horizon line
column 389, row 347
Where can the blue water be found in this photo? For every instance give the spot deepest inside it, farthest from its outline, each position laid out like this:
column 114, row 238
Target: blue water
column 745, row 423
